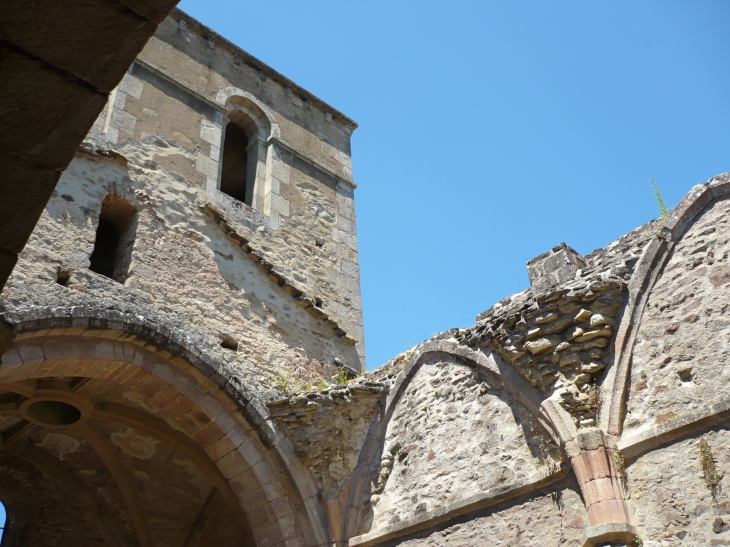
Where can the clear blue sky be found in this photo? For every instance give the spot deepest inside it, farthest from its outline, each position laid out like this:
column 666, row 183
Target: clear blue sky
column 492, row 131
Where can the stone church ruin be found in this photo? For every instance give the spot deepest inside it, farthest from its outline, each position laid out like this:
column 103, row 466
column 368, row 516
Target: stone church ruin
column 183, row 358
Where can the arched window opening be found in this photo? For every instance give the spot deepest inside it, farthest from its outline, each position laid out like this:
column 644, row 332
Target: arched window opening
column 244, row 148
column 114, row 239
column 234, row 171
column 3, row 518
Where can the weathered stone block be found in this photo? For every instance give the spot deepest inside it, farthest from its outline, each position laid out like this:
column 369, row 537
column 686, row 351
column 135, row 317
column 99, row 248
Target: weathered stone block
column 554, row 267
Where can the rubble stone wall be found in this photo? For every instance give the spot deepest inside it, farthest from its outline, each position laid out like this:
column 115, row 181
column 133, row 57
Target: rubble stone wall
column 279, row 286
column 681, row 358
column 669, row 497
column 452, row 436
column 552, row 517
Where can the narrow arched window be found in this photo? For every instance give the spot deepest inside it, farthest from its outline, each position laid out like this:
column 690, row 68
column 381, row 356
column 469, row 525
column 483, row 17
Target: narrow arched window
column 3, row 518
column 244, row 147
column 234, row 171
column 114, row 239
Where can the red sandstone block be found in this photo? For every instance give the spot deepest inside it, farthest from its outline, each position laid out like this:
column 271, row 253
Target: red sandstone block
column 187, row 425
column 220, row 448
column 590, row 493
column 164, row 397
column 608, row 511
column 200, row 418
column 208, row 435
column 604, row 489
column 618, row 488
column 596, row 463
column 175, row 408
column 230, row 464
column 579, row 466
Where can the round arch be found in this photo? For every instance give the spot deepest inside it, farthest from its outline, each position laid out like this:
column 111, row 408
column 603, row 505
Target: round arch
column 127, row 376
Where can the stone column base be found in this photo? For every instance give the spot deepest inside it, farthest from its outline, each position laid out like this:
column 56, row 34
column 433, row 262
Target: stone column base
column 621, row 532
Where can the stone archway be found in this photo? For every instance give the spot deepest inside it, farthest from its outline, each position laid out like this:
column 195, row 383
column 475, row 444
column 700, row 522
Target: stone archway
column 132, row 430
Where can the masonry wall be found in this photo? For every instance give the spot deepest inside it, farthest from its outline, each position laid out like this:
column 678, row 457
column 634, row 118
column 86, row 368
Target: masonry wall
column 645, row 432
column 424, row 467
column 281, row 283
column 550, row 518
column 680, row 362
column 670, row 501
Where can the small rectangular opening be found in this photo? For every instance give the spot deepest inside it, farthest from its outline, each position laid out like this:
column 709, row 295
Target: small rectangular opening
column 115, row 237
column 235, row 163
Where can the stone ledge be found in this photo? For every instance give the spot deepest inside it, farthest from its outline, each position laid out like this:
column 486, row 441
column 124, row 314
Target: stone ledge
column 473, row 503
column 302, row 300
column 684, row 424
column 612, row 531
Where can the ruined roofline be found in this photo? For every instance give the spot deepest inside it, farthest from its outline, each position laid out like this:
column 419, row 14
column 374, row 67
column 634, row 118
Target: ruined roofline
column 605, row 266
column 206, row 32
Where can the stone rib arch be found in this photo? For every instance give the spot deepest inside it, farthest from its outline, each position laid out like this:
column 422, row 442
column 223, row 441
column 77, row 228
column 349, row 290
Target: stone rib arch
column 272, row 483
column 647, row 272
column 487, row 364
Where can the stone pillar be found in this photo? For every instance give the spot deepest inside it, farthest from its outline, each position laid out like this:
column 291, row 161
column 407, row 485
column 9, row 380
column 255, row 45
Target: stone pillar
column 603, row 492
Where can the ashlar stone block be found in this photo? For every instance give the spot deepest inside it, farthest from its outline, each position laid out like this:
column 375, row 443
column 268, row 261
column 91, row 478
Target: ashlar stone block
column 554, row 267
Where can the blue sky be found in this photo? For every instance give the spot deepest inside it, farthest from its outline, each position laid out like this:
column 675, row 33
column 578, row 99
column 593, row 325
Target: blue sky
column 492, row 131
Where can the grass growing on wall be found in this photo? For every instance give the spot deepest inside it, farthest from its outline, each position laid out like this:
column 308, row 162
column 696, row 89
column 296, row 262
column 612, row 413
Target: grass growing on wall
column 660, row 201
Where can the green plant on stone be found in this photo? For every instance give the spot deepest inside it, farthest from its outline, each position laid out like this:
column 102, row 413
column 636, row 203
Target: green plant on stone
column 284, row 382
column 342, row 377
column 620, row 462
column 712, row 475
column 638, row 542
column 660, row 201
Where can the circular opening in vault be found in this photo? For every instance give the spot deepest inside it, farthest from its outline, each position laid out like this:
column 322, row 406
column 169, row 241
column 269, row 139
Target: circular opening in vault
column 54, row 413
